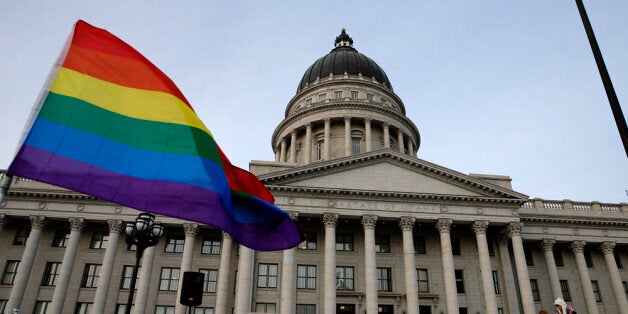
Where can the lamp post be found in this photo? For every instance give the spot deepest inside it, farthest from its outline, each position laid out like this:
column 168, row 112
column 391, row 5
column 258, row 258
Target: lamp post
column 144, row 232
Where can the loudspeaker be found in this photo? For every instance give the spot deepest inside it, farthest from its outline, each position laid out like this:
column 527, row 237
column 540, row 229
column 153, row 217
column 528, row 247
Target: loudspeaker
column 192, row 288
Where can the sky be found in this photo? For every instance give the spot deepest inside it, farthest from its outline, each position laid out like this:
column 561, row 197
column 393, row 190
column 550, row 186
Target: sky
column 494, row 87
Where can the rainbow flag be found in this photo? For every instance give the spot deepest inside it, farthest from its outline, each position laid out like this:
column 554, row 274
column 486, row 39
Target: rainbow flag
column 110, row 124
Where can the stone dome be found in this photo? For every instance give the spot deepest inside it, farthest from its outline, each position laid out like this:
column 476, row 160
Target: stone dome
column 344, row 59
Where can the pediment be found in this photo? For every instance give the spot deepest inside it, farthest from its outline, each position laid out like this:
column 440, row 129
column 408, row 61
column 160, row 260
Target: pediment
column 387, row 172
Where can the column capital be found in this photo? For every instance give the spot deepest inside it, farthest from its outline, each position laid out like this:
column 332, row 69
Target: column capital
column 577, row 246
column 38, row 222
column 330, row 220
column 480, row 226
column 225, row 234
column 115, row 225
column 368, row 120
column 386, row 124
column 548, row 245
column 190, row 229
column 77, row 224
column 294, row 215
column 443, row 225
column 327, row 119
column 347, row 118
column 515, row 228
column 407, row 223
column 607, row 247
column 369, row 221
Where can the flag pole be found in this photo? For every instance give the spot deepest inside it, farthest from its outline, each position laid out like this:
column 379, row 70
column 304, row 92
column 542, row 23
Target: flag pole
column 606, row 79
column 4, row 186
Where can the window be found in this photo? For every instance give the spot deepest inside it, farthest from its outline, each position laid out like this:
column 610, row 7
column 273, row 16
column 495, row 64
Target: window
column 463, row 310
column 596, row 291
column 267, row 276
column 419, row 245
column 306, row 308
column 90, row 276
column 266, row 307
column 322, row 97
column 338, row 95
column 384, row 279
column 496, row 282
column 382, row 244
column 306, row 277
column 534, row 285
column 344, row 278
column 169, row 280
column 41, row 307
column 500, row 310
column 588, row 259
column 455, row 246
column 10, row 269
column 211, row 245
column 309, row 242
column 369, row 97
column 164, row 309
column 99, row 240
column 84, row 308
column 356, row 145
column 354, row 94
column 320, row 149
column 459, row 280
column 51, row 272
column 127, row 273
column 564, row 287
column 423, row 280
column 529, row 257
column 558, row 259
column 60, row 238
column 308, row 101
column 121, row 309
column 174, row 244
column 21, row 235
column 204, row 310
column 211, row 279
column 344, row 242
column 491, row 247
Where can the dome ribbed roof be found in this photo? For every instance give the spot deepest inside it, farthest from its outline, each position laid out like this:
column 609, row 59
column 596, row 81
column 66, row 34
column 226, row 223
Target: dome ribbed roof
column 344, row 58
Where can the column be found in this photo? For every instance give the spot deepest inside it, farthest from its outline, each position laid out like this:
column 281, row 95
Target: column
column 367, row 130
column 293, row 147
column 330, row 220
column 486, row 270
column 308, row 143
column 288, row 275
column 412, row 291
column 370, row 263
column 514, row 229
column 3, row 221
column 347, row 136
column 222, row 286
column 191, row 229
column 244, row 284
column 585, row 280
column 400, row 141
column 26, row 264
column 451, row 292
column 282, row 156
column 410, row 147
column 61, row 288
column 386, row 135
column 548, row 249
column 143, row 285
column 115, row 226
column 511, row 292
column 607, row 248
column 327, row 138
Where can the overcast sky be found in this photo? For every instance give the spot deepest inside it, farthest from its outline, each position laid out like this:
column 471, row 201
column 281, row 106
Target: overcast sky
column 495, row 87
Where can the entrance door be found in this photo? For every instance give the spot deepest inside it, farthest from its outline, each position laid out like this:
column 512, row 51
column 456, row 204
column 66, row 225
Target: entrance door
column 386, row 309
column 425, row 309
column 345, row 309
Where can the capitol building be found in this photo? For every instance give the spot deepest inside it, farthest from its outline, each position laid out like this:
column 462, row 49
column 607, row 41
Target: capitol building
column 385, row 231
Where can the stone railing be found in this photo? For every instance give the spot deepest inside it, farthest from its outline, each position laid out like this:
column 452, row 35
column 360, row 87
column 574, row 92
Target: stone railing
column 573, row 208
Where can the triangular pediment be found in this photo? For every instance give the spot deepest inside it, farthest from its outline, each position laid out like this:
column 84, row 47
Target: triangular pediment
column 388, row 172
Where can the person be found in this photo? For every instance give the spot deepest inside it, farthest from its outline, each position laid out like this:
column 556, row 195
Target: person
column 560, row 307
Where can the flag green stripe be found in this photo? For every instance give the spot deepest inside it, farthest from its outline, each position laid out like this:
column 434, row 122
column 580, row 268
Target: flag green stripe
column 142, row 134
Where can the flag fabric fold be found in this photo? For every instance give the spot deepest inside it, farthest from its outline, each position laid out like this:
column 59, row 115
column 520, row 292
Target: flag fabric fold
column 114, row 126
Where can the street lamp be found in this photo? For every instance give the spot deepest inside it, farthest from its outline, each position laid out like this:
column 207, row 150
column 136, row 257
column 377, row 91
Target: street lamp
column 144, row 232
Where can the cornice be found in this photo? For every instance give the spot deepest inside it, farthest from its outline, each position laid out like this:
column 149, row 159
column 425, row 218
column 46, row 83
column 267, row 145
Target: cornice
column 413, row 164
column 567, row 220
column 53, row 196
